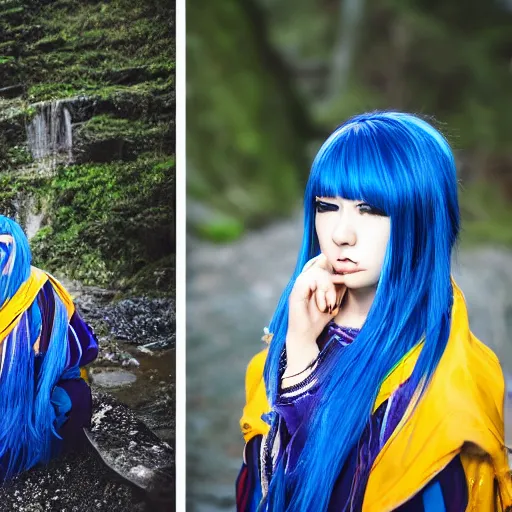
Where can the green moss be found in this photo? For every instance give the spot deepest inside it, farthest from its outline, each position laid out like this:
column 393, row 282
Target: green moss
column 109, row 220
column 49, row 91
column 12, row 10
column 81, row 47
column 118, row 94
column 7, row 45
column 19, row 155
column 107, row 126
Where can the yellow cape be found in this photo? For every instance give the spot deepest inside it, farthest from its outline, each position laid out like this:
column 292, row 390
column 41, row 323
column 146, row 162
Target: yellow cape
column 12, row 310
column 461, row 412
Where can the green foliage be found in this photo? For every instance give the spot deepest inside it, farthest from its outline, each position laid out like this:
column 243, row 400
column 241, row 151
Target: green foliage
column 224, row 229
column 486, row 215
column 245, row 156
column 110, row 220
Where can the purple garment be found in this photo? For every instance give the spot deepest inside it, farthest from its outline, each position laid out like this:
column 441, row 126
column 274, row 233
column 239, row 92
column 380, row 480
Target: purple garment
column 83, row 349
column 294, row 404
column 83, row 343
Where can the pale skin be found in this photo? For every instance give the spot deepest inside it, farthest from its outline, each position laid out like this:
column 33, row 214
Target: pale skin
column 338, row 284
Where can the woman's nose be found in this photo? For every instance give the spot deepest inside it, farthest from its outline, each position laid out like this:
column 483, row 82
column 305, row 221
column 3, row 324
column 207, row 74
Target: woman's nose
column 344, row 233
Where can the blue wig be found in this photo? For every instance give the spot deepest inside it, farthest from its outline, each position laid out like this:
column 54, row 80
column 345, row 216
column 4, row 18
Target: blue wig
column 27, row 416
column 401, row 165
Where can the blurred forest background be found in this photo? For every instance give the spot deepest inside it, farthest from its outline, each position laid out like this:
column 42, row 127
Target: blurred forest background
column 267, row 81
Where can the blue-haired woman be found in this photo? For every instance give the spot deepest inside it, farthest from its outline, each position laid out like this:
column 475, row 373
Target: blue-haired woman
column 44, row 344
column 373, row 394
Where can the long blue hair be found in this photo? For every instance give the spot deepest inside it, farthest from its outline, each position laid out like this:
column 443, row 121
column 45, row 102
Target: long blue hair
column 403, row 166
column 27, row 417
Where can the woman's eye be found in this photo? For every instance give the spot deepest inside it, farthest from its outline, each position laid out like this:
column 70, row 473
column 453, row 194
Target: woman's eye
column 366, row 208
column 322, row 206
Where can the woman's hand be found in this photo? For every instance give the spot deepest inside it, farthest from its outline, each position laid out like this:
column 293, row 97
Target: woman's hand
column 315, row 299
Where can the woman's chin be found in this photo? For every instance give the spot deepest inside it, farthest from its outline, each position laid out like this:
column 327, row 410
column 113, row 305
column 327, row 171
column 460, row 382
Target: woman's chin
column 359, row 282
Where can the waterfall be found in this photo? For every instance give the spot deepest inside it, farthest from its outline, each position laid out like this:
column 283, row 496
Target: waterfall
column 50, row 136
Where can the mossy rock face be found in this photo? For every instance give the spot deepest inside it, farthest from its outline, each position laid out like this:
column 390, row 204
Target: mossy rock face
column 108, row 213
column 106, row 138
column 13, row 16
column 12, row 91
column 110, row 220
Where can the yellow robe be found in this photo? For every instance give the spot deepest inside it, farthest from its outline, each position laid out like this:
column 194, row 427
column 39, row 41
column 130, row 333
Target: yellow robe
column 461, row 412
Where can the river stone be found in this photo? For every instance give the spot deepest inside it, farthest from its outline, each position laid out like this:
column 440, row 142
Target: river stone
column 107, row 378
column 85, row 483
column 142, row 321
column 128, row 446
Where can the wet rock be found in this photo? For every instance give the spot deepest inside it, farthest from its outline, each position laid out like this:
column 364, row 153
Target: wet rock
column 142, row 321
column 128, row 446
column 112, row 378
column 131, row 362
column 74, row 483
column 107, row 476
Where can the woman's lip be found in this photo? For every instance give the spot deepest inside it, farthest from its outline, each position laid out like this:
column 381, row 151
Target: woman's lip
column 348, row 271
column 346, row 267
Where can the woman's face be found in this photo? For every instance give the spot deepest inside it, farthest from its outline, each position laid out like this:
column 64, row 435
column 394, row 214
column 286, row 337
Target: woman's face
column 353, row 236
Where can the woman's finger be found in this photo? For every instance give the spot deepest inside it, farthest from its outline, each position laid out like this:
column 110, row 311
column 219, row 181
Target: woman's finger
column 321, row 302
column 321, row 262
column 318, row 262
column 311, row 263
column 340, row 293
column 330, row 297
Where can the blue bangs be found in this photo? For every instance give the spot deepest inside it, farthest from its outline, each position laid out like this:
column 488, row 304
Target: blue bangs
column 377, row 159
column 347, row 167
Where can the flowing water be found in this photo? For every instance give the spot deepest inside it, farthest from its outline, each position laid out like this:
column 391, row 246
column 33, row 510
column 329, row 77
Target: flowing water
column 50, row 134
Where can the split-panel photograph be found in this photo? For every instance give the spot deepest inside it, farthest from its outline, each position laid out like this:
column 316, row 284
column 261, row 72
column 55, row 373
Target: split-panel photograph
column 255, row 256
